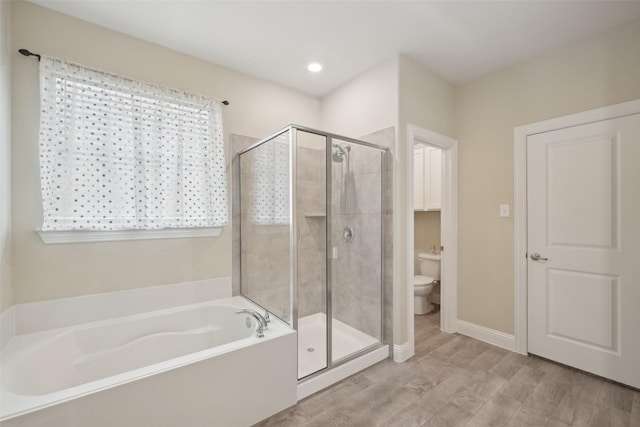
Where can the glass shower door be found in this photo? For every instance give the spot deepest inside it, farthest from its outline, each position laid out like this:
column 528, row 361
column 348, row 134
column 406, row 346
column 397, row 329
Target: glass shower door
column 311, row 251
column 356, row 215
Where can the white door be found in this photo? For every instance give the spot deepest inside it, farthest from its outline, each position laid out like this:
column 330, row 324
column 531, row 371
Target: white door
column 583, row 197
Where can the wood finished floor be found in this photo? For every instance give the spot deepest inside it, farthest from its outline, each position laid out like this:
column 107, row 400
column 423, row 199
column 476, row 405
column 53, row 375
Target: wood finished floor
column 454, row 380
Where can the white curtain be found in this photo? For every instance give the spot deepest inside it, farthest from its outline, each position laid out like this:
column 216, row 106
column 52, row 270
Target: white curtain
column 119, row 154
column 269, row 200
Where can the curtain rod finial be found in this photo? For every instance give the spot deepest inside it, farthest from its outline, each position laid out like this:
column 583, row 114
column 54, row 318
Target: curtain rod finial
column 27, row 52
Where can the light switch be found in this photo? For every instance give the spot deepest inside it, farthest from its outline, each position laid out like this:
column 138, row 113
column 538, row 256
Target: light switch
column 504, row 211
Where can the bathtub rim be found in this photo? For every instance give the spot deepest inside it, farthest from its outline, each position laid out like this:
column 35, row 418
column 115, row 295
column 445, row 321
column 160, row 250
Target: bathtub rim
column 23, row 404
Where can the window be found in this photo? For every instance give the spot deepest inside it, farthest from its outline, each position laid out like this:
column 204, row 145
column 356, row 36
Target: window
column 117, row 154
column 269, row 184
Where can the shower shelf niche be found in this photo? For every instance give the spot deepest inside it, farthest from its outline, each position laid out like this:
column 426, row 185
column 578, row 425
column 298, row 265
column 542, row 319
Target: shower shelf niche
column 315, row 215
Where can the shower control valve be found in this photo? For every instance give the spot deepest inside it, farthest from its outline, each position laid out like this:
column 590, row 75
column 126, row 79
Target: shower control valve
column 347, row 234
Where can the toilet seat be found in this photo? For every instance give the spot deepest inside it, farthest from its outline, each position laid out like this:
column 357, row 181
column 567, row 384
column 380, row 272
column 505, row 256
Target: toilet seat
column 422, row 280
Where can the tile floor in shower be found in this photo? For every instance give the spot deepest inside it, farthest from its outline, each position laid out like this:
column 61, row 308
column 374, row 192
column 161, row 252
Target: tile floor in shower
column 312, row 342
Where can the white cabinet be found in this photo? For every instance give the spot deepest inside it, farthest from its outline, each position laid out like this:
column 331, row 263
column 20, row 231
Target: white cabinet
column 427, row 175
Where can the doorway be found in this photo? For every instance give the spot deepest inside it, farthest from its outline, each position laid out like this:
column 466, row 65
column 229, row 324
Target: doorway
column 448, row 223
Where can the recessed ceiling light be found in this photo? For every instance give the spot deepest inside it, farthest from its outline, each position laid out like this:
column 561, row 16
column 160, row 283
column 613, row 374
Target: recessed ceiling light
column 314, row 67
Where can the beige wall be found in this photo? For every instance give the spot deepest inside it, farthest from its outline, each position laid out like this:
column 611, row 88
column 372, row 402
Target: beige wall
column 599, row 71
column 43, row 272
column 363, row 105
column 5, row 157
column 427, row 101
column 595, row 72
column 426, row 232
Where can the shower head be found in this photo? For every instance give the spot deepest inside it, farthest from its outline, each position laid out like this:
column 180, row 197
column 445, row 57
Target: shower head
column 339, row 153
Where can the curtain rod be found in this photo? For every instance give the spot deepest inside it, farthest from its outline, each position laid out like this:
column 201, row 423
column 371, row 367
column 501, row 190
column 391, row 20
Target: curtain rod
column 27, row 52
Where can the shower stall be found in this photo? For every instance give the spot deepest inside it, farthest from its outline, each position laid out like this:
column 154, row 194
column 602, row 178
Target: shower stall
column 312, row 233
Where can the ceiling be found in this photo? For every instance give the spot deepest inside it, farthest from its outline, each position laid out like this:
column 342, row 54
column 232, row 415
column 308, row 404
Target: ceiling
column 275, row 40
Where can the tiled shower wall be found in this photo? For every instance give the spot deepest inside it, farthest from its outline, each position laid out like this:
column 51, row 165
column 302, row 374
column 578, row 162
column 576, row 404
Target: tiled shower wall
column 387, row 138
column 356, row 288
column 312, row 222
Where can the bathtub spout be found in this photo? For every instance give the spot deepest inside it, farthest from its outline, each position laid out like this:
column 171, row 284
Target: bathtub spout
column 260, row 320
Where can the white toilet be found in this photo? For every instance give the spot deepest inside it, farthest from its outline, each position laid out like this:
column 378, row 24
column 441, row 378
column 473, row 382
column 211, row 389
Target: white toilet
column 423, row 284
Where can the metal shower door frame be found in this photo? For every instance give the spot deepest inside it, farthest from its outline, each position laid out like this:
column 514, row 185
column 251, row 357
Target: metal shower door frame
column 330, row 137
column 293, row 233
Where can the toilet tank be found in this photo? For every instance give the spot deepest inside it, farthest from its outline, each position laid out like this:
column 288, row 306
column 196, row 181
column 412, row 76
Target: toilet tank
column 429, row 265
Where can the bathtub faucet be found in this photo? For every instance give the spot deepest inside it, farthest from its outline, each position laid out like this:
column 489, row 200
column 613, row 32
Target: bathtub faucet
column 260, row 320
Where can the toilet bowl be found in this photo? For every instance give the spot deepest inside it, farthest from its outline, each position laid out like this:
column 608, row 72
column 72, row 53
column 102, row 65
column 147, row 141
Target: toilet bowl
column 424, row 282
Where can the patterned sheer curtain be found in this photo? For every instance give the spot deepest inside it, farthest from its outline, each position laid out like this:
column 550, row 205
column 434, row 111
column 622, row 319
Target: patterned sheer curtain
column 118, row 154
column 269, row 202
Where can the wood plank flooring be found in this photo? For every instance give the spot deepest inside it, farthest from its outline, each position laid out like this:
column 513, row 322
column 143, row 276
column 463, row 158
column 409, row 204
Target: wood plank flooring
column 454, row 380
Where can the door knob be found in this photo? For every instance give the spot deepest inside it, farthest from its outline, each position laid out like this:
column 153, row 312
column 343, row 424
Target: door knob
column 538, row 257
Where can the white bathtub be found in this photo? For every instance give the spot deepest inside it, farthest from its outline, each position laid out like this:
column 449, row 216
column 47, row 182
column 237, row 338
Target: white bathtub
column 192, row 365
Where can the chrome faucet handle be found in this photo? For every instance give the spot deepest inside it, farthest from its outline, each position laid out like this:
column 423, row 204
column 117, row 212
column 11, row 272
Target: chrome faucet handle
column 259, row 331
column 260, row 320
column 266, row 316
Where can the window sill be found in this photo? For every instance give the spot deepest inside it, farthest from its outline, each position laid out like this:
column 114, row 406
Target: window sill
column 85, row 236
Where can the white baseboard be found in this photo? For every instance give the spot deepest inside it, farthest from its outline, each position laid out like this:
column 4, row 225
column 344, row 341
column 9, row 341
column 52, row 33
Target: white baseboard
column 488, row 335
column 403, row 352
